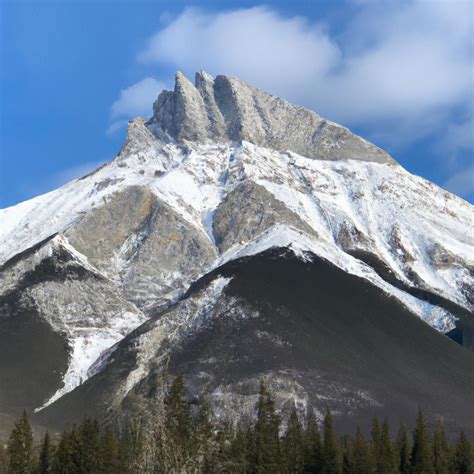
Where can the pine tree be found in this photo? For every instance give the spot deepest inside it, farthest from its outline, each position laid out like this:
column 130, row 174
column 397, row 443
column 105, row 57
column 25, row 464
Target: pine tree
column 441, row 451
column 404, row 451
column 44, row 465
column 358, row 455
column 375, row 446
column 292, row 444
column 178, row 426
column 68, row 453
column 421, row 454
column 313, row 446
column 89, row 443
column 178, row 420
column 463, row 459
column 110, row 453
column 266, row 433
column 20, row 446
column 237, row 454
column 332, row 450
column 385, row 461
column 204, row 431
column 132, row 446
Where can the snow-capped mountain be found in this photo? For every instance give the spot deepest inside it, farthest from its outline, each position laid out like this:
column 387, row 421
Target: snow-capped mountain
column 222, row 174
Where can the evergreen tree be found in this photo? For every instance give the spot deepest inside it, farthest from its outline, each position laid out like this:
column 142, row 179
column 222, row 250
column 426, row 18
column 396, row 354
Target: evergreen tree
column 292, row 444
column 385, row 461
column 89, row 445
column 441, row 452
column 44, row 465
column 332, row 463
column 375, row 446
column 204, row 431
column 20, row 447
column 68, row 453
column 358, row 455
column 266, row 433
column 178, row 420
column 313, row 446
column 110, row 453
column 404, row 451
column 463, row 459
column 237, row 454
column 133, row 446
column 421, row 454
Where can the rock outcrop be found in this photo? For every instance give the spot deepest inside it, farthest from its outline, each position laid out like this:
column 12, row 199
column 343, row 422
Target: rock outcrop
column 227, row 109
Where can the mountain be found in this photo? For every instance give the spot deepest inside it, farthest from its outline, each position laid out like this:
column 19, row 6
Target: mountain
column 237, row 236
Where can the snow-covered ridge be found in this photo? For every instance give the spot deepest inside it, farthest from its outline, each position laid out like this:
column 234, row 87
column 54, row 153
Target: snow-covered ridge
column 420, row 232
column 408, row 222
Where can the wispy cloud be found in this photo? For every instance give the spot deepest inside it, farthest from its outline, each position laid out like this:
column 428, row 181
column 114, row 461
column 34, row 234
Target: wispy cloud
column 394, row 62
column 135, row 100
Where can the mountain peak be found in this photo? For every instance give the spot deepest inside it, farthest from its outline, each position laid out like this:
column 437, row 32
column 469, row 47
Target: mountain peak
column 227, row 109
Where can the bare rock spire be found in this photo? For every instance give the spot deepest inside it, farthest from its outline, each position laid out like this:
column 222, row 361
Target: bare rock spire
column 228, row 109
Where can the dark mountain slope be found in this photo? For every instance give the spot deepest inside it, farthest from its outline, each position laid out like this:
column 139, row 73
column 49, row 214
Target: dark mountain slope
column 322, row 337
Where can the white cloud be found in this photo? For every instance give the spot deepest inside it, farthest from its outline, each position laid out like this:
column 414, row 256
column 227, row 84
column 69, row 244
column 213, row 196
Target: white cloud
column 256, row 44
column 393, row 65
column 136, row 100
column 461, row 183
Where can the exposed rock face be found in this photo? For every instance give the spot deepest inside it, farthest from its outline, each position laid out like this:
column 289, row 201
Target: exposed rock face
column 170, row 255
column 141, row 242
column 228, row 109
column 74, row 310
column 100, row 234
column 248, row 211
column 222, row 173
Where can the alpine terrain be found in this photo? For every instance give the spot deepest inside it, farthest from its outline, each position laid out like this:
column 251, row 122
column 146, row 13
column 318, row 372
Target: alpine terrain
column 238, row 237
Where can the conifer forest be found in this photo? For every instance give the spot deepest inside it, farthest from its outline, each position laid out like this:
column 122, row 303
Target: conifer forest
column 195, row 441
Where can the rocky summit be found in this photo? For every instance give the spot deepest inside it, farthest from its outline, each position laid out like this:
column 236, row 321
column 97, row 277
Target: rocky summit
column 237, row 237
column 227, row 109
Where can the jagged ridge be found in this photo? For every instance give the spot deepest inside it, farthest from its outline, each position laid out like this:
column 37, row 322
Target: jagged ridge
column 228, row 109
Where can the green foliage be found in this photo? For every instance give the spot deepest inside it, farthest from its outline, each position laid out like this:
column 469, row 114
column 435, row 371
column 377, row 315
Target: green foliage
column 45, row 455
column 110, row 453
column 421, row 455
column 176, row 439
column 178, row 420
column 20, row 447
column 68, row 453
column 386, row 462
column 292, row 446
column 441, row 451
column 332, row 460
column 267, row 449
column 404, row 450
column 463, row 460
column 314, row 452
column 359, row 459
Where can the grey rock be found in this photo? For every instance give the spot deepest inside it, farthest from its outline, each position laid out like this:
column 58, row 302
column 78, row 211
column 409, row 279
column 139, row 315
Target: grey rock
column 143, row 244
column 249, row 210
column 229, row 109
column 101, row 233
column 168, row 254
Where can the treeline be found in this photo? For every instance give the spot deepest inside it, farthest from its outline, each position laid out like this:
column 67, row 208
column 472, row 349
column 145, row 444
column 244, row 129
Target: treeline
column 187, row 440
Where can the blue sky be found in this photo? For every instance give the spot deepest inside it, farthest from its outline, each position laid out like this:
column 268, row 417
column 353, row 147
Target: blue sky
column 399, row 73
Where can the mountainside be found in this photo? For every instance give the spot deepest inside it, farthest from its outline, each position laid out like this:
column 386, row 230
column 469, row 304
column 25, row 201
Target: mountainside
column 237, row 236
